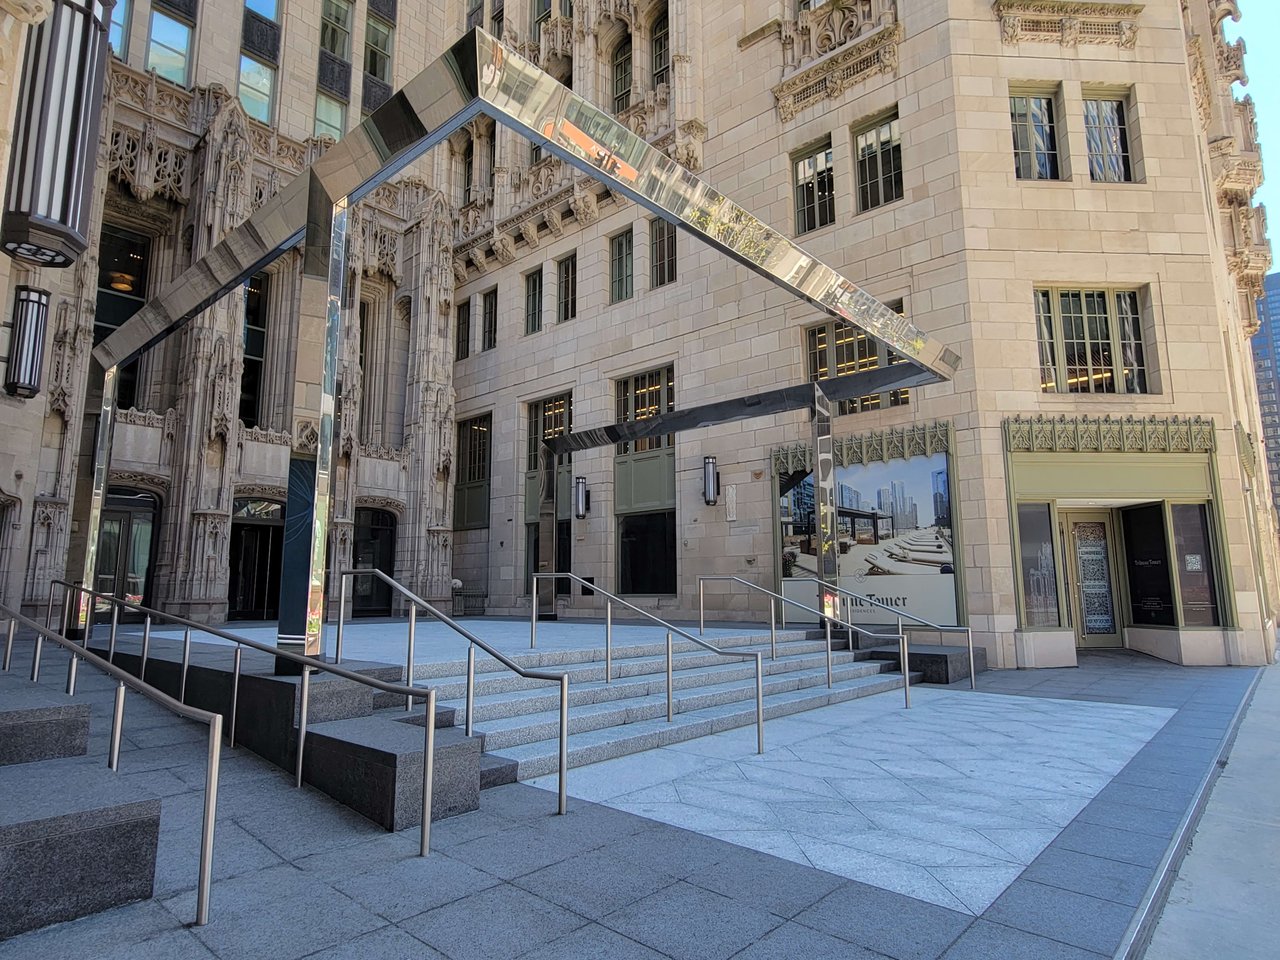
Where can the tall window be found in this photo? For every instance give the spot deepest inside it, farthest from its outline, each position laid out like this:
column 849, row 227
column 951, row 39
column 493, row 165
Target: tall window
column 257, row 83
column 123, row 265
column 255, row 349
column 622, row 75
column 643, row 396
column 660, row 44
column 1035, row 138
column 836, row 349
column 621, row 267
column 471, row 503
column 533, row 301
column 462, row 333
column 489, row 336
column 468, row 170
column 335, row 28
column 662, row 252
column 497, row 19
column 378, row 41
column 331, row 117
column 265, row 8
column 567, row 288
column 475, row 13
column 541, row 14
column 548, row 419
column 814, row 189
column 1107, row 138
column 169, row 51
column 878, row 153
column 118, row 32
column 1090, row 341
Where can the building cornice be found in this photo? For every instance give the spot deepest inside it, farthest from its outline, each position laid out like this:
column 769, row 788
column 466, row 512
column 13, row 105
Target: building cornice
column 1085, row 434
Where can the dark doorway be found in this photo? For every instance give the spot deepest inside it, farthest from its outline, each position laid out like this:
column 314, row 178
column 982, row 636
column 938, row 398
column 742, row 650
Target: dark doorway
column 647, row 553
column 257, row 537
column 126, row 549
column 374, row 549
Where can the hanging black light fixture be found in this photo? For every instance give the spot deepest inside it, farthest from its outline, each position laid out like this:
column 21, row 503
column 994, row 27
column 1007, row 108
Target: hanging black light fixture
column 55, row 139
column 26, row 345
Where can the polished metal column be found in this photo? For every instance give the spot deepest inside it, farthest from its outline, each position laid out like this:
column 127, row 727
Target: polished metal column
column 302, row 566
column 826, row 523
column 101, row 468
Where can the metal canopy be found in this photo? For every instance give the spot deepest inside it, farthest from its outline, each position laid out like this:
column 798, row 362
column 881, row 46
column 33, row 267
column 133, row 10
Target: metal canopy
column 479, row 75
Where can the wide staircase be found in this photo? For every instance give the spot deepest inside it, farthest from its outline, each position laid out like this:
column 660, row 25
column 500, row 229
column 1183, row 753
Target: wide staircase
column 345, row 730
column 519, row 718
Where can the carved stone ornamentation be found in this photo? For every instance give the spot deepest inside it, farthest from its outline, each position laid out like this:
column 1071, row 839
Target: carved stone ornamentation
column 460, row 271
column 529, row 230
column 307, row 437
column 504, row 249
column 584, row 206
column 138, row 480
column 872, row 54
column 1068, row 22
column 479, row 261
column 1085, row 434
column 554, row 224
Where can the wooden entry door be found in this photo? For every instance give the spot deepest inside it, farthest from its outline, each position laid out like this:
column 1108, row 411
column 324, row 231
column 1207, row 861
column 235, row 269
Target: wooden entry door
column 1095, row 601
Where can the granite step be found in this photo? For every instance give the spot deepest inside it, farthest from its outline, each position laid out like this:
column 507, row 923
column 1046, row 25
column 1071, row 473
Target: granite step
column 541, row 757
column 39, row 723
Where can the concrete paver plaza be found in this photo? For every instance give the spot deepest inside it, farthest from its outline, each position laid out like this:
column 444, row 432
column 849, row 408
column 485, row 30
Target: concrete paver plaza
column 1026, row 820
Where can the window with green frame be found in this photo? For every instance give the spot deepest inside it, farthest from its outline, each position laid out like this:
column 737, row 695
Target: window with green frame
column 1090, row 341
column 471, row 510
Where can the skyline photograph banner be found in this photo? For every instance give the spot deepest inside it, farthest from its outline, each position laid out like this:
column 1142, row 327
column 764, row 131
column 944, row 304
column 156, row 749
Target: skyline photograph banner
column 894, row 540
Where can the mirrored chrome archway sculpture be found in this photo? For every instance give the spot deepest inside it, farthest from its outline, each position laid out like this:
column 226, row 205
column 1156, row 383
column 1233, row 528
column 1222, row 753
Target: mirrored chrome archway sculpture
column 478, row 75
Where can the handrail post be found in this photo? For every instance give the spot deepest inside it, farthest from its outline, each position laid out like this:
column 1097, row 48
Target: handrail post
column 773, row 630
column 186, row 662
column 115, row 625
column 471, row 688
column 533, row 613
column 702, row 615
column 8, row 644
column 828, row 623
column 146, row 648
column 428, row 773
column 66, row 611
column 304, row 695
column 669, row 696
column 72, row 667
column 342, row 609
column 210, row 813
column 117, row 728
column 408, row 667
column 973, row 676
column 608, row 641
column 563, row 802
column 235, row 694
column 35, row 658
column 904, row 658
column 759, row 703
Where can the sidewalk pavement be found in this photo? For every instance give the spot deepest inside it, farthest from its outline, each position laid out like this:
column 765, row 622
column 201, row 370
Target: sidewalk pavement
column 1223, row 903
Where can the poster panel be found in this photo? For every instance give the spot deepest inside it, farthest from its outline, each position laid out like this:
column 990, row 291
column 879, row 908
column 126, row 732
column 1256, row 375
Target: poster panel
column 894, row 543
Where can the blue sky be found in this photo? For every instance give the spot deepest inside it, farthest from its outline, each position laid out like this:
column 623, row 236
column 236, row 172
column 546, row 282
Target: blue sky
column 1260, row 26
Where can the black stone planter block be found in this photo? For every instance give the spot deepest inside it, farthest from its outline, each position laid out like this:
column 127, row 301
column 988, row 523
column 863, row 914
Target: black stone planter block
column 374, row 766
column 941, row 665
column 74, row 840
column 37, row 723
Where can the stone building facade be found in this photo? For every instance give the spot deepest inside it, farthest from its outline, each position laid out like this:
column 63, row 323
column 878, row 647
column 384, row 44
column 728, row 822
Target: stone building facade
column 1059, row 190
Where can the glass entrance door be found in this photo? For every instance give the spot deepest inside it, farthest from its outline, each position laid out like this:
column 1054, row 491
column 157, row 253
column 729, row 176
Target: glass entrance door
column 126, row 537
column 1093, row 592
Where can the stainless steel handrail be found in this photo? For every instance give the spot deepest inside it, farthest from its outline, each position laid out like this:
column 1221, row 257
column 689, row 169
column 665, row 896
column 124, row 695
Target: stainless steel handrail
column 473, row 641
column 124, row 679
column 822, row 618
column 902, row 615
column 670, row 628
column 307, row 663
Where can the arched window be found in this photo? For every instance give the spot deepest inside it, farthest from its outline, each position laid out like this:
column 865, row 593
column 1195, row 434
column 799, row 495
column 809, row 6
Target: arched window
column 661, row 47
column 622, row 75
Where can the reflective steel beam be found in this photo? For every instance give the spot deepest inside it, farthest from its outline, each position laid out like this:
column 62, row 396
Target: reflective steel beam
column 781, row 400
column 480, row 75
